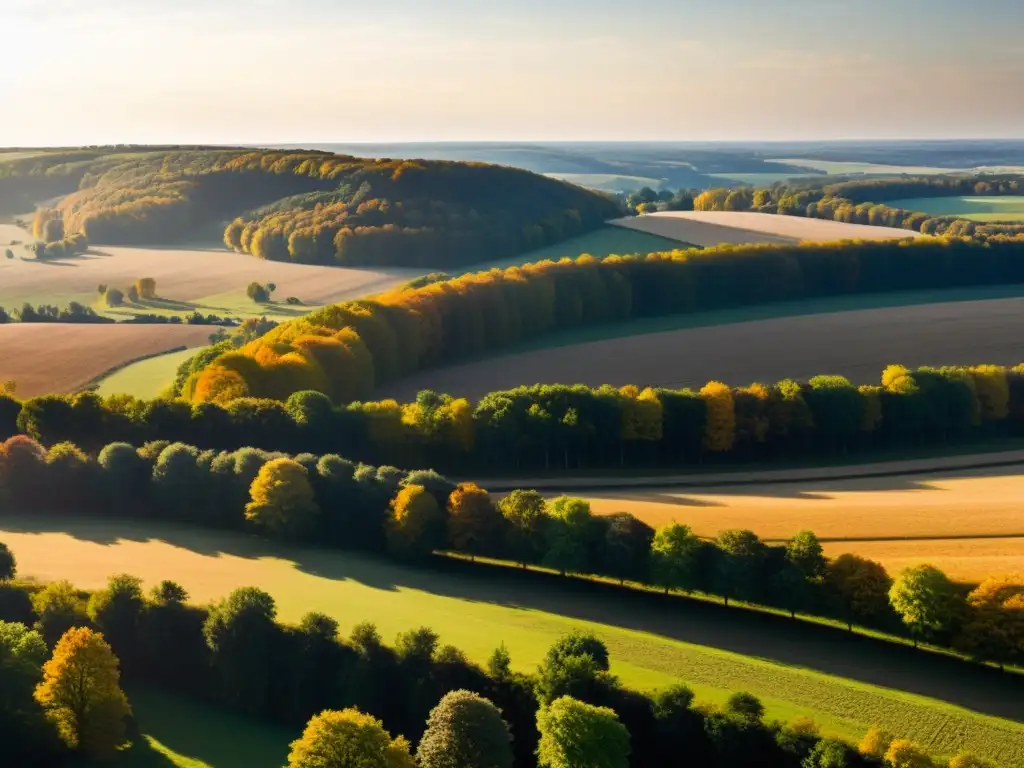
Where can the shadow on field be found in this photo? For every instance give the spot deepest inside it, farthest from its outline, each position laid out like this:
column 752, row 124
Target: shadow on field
column 769, row 637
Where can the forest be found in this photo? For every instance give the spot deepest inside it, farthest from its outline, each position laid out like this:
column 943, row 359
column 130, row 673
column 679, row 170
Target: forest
column 346, row 350
column 308, row 207
column 355, row 692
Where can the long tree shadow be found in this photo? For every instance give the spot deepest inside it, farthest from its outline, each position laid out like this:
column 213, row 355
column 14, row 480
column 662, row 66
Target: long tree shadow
column 761, row 635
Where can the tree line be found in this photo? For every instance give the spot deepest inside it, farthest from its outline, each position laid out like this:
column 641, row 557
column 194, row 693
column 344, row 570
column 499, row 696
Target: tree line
column 50, row 313
column 412, row 515
column 856, row 201
column 546, row 428
column 353, row 693
column 318, row 207
column 347, row 349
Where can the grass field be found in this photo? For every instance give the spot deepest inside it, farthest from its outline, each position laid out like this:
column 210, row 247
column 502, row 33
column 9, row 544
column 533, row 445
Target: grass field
column 707, row 228
column 601, row 242
column 847, row 682
column 985, row 208
column 856, row 344
column 967, row 523
column 47, row 358
column 147, row 378
column 182, row 733
column 607, row 182
column 835, row 168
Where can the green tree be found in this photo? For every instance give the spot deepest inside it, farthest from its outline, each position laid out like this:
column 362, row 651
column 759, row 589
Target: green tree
column 740, row 566
column 81, row 693
column 674, row 553
column 23, row 728
column 241, row 634
column 570, row 536
column 465, row 730
column 348, row 739
column 745, row 706
column 577, row 735
column 8, row 563
column 830, row 753
column 58, row 609
column 805, row 552
column 282, row 501
column 525, row 518
column 926, row 600
column 117, row 612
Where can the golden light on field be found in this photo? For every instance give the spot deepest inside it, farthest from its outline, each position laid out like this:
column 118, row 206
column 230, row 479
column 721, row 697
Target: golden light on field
column 970, row 523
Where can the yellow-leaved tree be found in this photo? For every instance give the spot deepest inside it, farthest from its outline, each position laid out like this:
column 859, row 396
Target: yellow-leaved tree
column 348, row 739
column 282, row 499
column 81, row 693
column 720, row 427
column 416, row 524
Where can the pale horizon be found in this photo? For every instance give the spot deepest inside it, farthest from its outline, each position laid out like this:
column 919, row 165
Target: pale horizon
column 318, row 72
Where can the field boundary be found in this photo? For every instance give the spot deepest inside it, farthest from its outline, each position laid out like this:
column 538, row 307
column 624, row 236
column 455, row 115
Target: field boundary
column 766, row 477
column 93, row 384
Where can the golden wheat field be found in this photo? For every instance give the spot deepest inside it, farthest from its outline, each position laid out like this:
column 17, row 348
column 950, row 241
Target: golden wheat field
column 969, row 523
column 707, row 228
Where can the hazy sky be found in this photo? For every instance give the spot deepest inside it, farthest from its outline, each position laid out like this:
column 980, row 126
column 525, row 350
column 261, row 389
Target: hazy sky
column 252, row 71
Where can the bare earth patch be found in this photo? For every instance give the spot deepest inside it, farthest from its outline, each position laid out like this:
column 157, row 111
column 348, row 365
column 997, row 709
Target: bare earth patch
column 707, row 228
column 968, row 523
column 47, row 358
column 856, row 344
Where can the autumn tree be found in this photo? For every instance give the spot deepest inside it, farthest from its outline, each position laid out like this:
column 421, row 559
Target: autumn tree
column 282, row 501
column 861, row 587
column 416, row 525
column 720, row 427
column 578, row 735
column 81, row 693
column 994, row 629
column 674, row 553
column 875, row 743
column 465, row 730
column 146, row 287
column 926, row 600
column 968, row 760
column 348, row 739
column 525, row 518
column 906, row 754
column 475, row 525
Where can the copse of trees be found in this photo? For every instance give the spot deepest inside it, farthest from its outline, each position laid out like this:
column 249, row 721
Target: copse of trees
column 48, row 313
column 557, row 427
column 412, row 515
column 362, row 702
column 346, row 350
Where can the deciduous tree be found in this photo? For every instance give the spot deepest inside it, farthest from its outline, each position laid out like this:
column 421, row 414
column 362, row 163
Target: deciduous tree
column 926, row 600
column 348, row 739
column 577, row 735
column 282, row 500
column 465, row 730
column 81, row 693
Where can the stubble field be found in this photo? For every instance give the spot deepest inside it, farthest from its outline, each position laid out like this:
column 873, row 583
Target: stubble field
column 968, row 523
column 847, row 682
column 707, row 228
column 43, row 358
column 856, row 344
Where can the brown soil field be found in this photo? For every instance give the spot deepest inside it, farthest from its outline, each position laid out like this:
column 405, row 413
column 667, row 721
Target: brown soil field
column 182, row 274
column 57, row 357
column 970, row 523
column 706, row 228
column 856, row 344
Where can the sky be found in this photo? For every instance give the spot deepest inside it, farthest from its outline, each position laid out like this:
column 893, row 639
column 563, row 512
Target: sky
column 283, row 71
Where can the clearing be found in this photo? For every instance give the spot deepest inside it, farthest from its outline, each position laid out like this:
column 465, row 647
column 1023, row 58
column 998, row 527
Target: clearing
column 44, row 358
column 599, row 243
column 707, row 228
column 145, row 379
column 848, row 682
column 987, row 208
column 968, row 522
column 857, row 344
